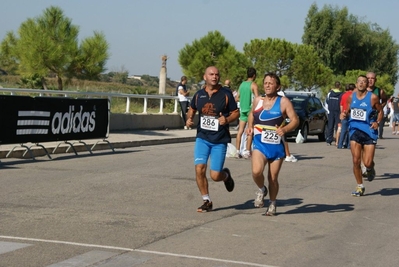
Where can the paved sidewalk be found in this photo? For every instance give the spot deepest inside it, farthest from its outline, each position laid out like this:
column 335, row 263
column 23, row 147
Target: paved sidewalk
column 120, row 139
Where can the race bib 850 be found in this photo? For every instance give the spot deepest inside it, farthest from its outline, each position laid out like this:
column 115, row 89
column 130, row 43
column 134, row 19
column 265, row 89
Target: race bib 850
column 358, row 114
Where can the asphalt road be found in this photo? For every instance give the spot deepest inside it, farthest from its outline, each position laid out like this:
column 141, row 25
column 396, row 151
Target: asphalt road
column 137, row 207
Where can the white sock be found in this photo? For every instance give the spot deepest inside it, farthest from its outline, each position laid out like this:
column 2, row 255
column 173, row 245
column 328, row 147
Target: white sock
column 262, row 189
column 360, row 185
column 206, row 197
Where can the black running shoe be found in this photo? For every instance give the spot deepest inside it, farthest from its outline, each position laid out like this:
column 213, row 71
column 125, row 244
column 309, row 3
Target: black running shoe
column 207, row 206
column 229, row 183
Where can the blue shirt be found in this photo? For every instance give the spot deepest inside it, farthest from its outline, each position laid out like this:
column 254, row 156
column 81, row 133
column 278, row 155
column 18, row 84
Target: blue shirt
column 362, row 115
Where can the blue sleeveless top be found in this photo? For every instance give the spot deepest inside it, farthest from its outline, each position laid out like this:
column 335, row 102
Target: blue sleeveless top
column 362, row 115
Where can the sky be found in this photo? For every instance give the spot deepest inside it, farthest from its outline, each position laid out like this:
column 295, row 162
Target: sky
column 141, row 31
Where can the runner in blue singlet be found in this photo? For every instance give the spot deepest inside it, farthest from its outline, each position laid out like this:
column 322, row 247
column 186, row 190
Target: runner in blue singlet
column 265, row 121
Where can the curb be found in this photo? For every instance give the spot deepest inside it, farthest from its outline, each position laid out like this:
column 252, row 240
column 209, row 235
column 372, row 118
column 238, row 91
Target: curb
column 51, row 149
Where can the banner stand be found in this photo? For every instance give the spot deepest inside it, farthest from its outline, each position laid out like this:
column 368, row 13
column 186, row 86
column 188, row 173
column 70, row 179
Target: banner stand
column 105, row 141
column 28, row 149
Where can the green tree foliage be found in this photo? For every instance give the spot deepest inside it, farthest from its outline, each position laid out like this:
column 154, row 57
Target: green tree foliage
column 48, row 46
column 344, row 42
column 309, row 72
column 8, row 58
column 298, row 65
column 271, row 55
column 212, row 50
column 91, row 58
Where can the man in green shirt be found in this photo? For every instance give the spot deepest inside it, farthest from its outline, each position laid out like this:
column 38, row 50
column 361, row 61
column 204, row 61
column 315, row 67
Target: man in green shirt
column 247, row 91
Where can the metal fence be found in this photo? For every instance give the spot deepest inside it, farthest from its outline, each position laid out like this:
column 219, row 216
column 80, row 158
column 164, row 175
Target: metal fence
column 127, row 97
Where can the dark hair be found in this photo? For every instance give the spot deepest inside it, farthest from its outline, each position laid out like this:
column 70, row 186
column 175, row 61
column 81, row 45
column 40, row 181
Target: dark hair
column 350, row 87
column 337, row 84
column 251, row 72
column 363, row 76
column 272, row 75
column 183, row 78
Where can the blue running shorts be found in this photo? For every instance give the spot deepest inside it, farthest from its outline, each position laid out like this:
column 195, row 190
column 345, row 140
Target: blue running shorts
column 204, row 149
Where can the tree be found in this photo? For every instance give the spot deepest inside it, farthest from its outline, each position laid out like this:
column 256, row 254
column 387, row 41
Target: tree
column 308, row 71
column 344, row 42
column 48, row 45
column 8, row 58
column 212, row 50
column 271, row 55
column 91, row 58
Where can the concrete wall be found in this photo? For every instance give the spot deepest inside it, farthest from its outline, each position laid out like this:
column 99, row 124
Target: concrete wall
column 120, row 122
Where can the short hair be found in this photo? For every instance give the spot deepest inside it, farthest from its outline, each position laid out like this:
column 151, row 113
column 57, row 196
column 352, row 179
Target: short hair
column 337, row 84
column 350, row 87
column 274, row 76
column 251, row 72
column 183, row 78
column 363, row 76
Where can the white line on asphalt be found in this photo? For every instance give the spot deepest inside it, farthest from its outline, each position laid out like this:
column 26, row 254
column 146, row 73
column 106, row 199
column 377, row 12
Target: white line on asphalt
column 134, row 250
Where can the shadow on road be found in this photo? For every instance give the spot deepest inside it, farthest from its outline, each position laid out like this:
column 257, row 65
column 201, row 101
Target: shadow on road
column 18, row 161
column 386, row 192
column 313, row 208
column 389, row 176
column 250, row 204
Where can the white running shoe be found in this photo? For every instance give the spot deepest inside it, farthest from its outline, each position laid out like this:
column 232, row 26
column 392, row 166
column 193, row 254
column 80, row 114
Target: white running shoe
column 246, row 154
column 259, row 200
column 271, row 210
column 291, row 159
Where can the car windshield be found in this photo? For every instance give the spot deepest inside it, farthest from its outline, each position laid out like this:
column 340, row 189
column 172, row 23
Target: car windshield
column 298, row 102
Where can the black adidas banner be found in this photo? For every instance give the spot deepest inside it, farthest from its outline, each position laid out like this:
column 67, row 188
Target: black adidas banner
column 26, row 119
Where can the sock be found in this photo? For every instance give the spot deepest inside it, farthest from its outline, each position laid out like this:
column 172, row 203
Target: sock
column 262, row 189
column 273, row 202
column 360, row 185
column 206, row 197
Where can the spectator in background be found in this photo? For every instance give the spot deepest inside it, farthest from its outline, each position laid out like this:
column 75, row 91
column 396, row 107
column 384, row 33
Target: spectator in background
column 227, row 84
column 183, row 94
column 372, row 79
column 344, row 137
column 246, row 92
column 288, row 156
column 333, row 106
column 390, row 110
column 395, row 107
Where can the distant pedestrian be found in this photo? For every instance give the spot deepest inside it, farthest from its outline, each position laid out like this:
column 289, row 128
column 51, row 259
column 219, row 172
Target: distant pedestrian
column 227, row 84
column 333, row 106
column 343, row 140
column 216, row 108
column 395, row 107
column 372, row 79
column 183, row 94
column 246, row 93
column 288, row 156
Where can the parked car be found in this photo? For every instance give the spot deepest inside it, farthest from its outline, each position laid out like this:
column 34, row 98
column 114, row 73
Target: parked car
column 312, row 115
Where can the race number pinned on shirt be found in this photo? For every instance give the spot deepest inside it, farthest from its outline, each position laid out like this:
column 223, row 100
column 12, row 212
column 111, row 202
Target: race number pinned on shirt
column 358, row 114
column 270, row 136
column 209, row 123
